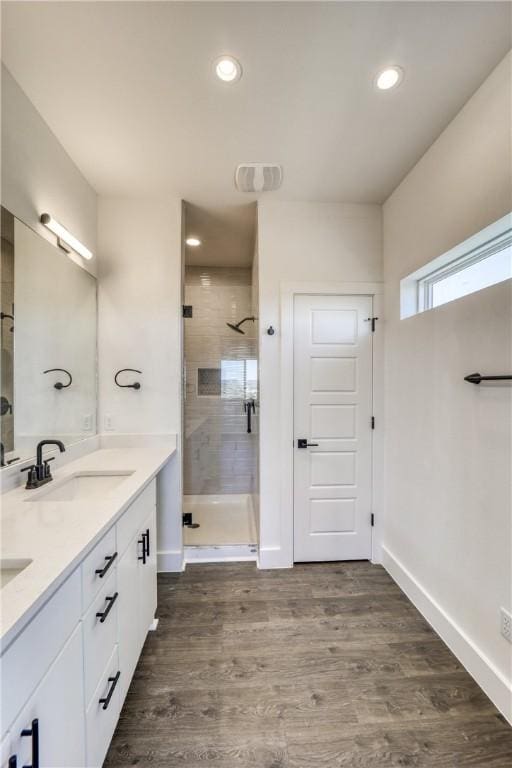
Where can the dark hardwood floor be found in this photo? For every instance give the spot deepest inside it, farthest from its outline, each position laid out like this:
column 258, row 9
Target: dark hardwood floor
column 323, row 665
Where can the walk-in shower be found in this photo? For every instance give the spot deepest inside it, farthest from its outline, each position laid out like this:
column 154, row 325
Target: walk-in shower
column 220, row 413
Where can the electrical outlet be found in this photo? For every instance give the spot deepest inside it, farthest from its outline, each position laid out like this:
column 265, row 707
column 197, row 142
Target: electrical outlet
column 86, row 422
column 108, row 422
column 506, row 624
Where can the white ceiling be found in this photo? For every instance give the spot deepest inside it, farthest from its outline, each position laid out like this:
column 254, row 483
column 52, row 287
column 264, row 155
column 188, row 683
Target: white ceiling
column 128, row 89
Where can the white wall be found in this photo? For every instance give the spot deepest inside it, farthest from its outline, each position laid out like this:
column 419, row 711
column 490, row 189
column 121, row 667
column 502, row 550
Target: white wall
column 139, row 242
column 39, row 176
column 448, row 443
column 300, row 243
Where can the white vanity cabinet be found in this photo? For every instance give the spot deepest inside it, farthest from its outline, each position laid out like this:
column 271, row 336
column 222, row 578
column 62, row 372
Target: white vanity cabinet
column 65, row 677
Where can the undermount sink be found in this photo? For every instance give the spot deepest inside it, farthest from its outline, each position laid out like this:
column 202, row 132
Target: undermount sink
column 10, row 567
column 82, row 486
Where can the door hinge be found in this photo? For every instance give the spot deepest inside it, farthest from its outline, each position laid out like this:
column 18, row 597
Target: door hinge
column 372, row 518
column 373, row 422
column 187, row 310
column 372, row 320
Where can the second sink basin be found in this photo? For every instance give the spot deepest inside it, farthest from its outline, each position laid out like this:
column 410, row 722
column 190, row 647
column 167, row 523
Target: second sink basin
column 82, row 486
column 10, row 567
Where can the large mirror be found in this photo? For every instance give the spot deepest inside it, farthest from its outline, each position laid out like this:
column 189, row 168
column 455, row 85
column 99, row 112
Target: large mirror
column 48, row 343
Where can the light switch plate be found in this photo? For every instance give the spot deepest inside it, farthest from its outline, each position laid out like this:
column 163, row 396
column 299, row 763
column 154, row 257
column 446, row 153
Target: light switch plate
column 506, row 624
column 108, row 423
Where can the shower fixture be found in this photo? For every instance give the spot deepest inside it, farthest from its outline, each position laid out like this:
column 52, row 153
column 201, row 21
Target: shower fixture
column 237, row 326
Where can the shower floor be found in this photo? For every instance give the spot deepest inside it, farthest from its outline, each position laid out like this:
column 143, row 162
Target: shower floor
column 225, row 520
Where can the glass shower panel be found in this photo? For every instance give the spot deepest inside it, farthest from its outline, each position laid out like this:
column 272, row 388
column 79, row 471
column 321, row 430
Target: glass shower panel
column 220, row 460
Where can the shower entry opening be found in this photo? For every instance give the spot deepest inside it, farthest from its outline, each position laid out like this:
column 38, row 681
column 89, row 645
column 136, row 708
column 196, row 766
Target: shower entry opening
column 221, row 415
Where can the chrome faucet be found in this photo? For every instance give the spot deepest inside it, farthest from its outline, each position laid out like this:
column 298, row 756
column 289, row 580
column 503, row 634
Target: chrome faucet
column 39, row 473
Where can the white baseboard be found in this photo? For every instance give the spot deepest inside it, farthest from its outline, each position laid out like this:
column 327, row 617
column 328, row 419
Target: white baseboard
column 170, row 561
column 273, row 557
column 488, row 677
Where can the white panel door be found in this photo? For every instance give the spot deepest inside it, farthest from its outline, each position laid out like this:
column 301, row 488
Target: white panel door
column 332, row 411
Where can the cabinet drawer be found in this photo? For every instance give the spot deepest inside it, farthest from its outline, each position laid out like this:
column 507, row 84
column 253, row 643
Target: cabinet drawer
column 100, row 633
column 101, row 722
column 102, row 558
column 135, row 515
column 26, row 660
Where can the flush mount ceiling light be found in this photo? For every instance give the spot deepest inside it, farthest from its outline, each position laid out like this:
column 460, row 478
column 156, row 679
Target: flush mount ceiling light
column 193, row 241
column 65, row 239
column 389, row 78
column 228, row 69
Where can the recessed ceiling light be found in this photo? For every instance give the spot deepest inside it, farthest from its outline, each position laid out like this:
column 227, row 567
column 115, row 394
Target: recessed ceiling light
column 193, row 241
column 389, row 78
column 228, row 69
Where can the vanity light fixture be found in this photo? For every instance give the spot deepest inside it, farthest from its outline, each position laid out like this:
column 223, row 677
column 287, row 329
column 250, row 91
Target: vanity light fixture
column 228, row 69
column 65, row 239
column 193, row 242
column 389, row 78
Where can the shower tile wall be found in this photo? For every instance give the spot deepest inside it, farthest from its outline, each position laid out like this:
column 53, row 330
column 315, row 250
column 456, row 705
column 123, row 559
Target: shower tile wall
column 220, row 456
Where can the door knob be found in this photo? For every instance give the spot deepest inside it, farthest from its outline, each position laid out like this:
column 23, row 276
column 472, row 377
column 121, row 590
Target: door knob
column 302, row 442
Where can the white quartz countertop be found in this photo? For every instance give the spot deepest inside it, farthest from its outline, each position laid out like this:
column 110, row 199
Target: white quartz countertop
column 56, row 535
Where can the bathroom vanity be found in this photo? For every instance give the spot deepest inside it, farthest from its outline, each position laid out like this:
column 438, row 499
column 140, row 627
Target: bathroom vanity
column 78, row 551
column 78, row 567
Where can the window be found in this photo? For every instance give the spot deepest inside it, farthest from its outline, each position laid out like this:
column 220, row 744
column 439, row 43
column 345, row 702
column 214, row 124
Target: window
column 239, row 379
column 479, row 262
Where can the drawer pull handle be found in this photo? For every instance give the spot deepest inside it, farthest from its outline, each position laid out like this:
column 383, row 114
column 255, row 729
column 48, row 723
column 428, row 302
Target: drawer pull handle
column 147, row 541
column 13, row 761
column 102, row 571
column 34, row 733
column 144, row 550
column 102, row 615
column 114, row 680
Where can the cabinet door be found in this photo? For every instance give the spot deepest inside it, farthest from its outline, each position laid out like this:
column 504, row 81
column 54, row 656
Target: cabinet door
column 128, row 614
column 56, row 713
column 147, row 578
column 136, row 579
column 5, row 751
